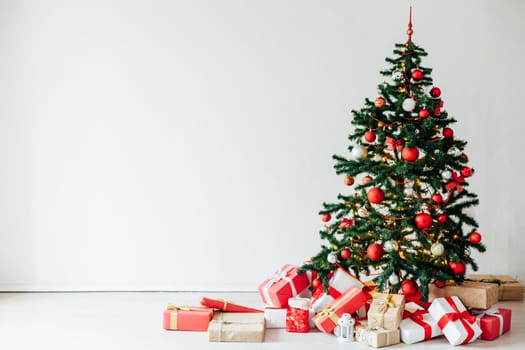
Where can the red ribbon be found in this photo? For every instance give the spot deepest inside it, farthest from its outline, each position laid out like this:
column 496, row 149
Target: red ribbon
column 465, row 317
column 394, row 143
column 417, row 317
column 455, row 183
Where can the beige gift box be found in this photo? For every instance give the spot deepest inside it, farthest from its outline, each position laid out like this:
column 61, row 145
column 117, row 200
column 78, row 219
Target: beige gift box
column 236, row 327
column 386, row 311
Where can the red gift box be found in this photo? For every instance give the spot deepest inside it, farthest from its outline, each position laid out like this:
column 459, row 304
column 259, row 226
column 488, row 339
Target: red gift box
column 187, row 318
column 349, row 302
column 283, row 285
column 225, row 305
column 493, row 322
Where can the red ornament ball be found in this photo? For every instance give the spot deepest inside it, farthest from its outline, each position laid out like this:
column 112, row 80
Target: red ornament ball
column 424, row 113
column 346, row 223
column 437, row 112
column 370, row 136
column 437, row 198
column 316, row 283
column 376, row 195
column 466, row 171
column 366, row 179
column 379, row 102
column 448, row 133
column 423, row 220
column 442, row 218
column 435, row 92
column 474, row 237
column 375, row 251
column 417, row 74
column 439, row 283
column 410, row 154
column 457, row 268
column 325, row 217
column 345, row 253
column 409, row 287
column 349, row 181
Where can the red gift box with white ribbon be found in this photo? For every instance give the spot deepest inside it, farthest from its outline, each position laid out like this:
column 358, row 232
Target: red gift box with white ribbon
column 283, row 285
column 493, row 322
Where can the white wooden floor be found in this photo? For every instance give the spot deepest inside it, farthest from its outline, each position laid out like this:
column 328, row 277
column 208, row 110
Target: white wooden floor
column 132, row 320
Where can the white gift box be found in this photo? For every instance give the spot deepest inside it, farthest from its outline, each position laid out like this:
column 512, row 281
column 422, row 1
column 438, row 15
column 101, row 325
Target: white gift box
column 420, row 326
column 321, row 302
column 275, row 317
column 341, row 281
column 457, row 324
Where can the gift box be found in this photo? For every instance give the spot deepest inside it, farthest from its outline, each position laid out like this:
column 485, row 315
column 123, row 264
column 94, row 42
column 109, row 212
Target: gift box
column 457, row 324
column 472, row 294
column 283, row 285
column 275, row 317
column 298, row 315
column 236, row 327
column 187, row 318
column 349, row 302
column 493, row 322
column 225, row 305
column 508, row 287
column 386, row 311
column 417, row 324
column 341, row 281
column 377, row 337
column 322, row 301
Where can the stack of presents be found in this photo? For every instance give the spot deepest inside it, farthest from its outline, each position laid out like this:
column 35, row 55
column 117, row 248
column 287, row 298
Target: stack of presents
column 352, row 310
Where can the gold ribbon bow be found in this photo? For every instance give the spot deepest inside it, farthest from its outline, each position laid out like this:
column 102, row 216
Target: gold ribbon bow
column 330, row 313
column 383, row 304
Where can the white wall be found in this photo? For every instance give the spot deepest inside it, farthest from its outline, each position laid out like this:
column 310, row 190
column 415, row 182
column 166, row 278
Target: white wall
column 187, row 145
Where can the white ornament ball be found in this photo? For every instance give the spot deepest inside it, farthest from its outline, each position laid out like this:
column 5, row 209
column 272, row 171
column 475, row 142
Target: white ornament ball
column 378, row 158
column 409, row 105
column 393, row 279
column 447, row 175
column 358, row 152
column 408, row 191
column 331, row 258
column 397, row 76
column 388, row 246
column 437, row 249
column 362, row 212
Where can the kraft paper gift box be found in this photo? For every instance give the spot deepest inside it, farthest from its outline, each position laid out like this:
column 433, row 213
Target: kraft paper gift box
column 187, row 318
column 283, row 285
column 386, row 311
column 236, row 327
column 472, row 294
column 508, row 287
column 377, row 337
column 493, row 322
column 457, row 324
column 348, row 302
column 225, row 305
column 417, row 324
column 341, row 281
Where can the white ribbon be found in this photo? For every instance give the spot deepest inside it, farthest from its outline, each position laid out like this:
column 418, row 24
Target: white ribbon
column 281, row 274
column 493, row 311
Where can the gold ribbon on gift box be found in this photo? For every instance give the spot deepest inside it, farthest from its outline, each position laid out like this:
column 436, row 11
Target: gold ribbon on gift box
column 174, row 315
column 330, row 313
column 382, row 304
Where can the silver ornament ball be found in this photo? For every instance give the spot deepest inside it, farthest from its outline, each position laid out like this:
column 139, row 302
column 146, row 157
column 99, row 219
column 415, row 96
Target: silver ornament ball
column 389, row 246
column 331, row 258
column 397, row 76
column 437, row 249
column 446, row 174
column 393, row 279
column 409, row 104
column 358, row 152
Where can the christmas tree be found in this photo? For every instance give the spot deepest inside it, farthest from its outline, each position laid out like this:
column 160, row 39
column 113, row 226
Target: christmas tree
column 403, row 222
